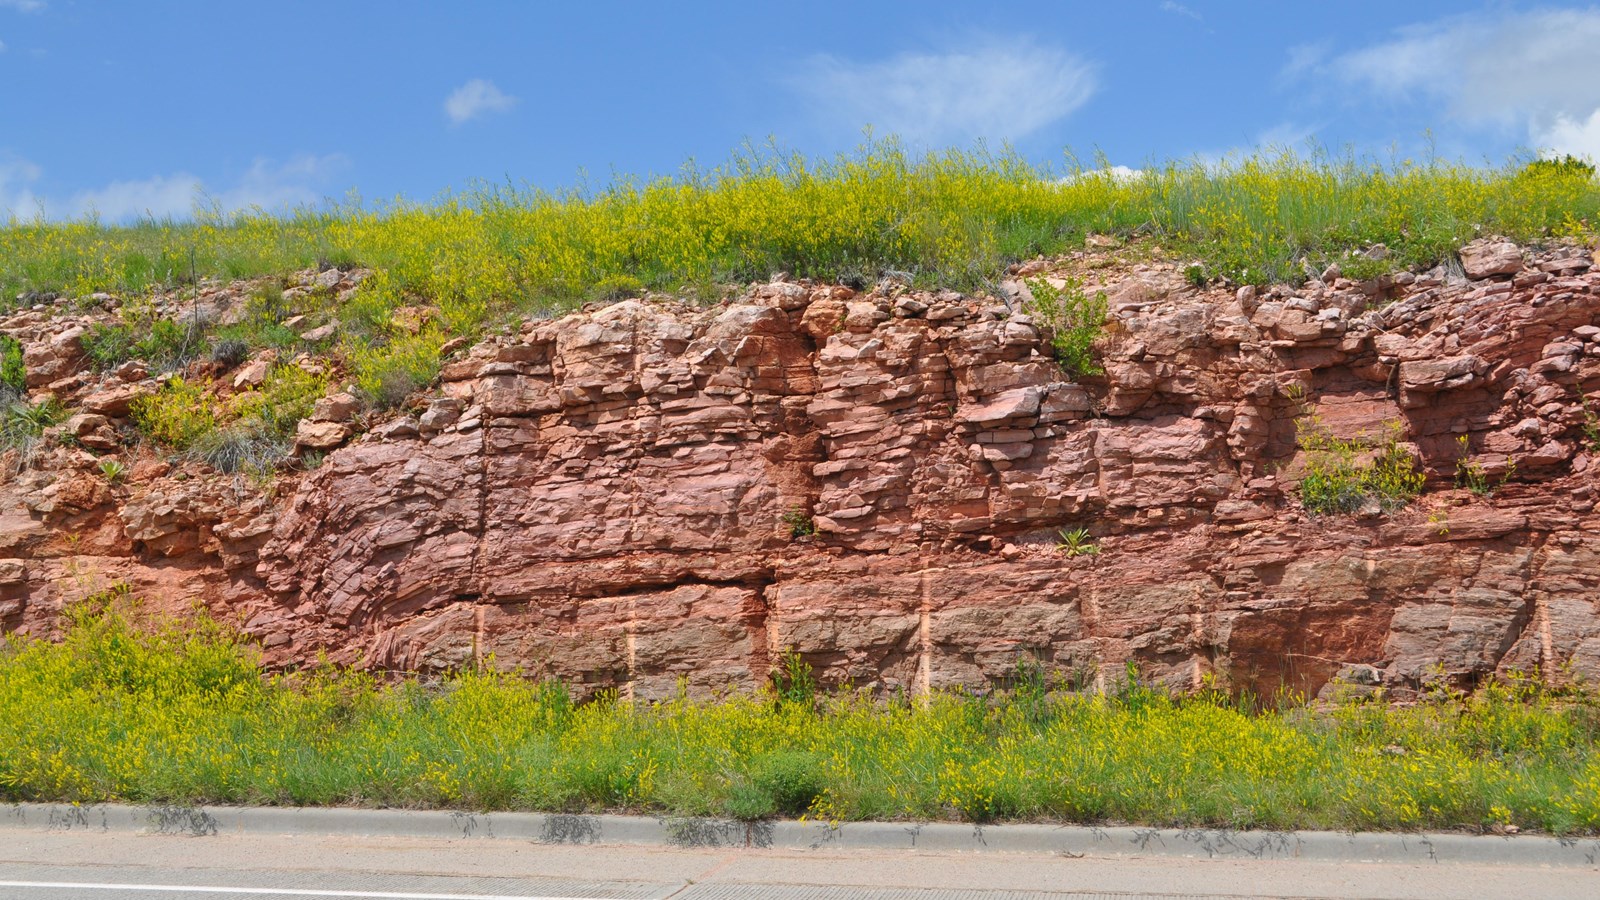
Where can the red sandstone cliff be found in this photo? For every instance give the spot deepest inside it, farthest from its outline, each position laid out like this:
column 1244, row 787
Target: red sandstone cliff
column 603, row 497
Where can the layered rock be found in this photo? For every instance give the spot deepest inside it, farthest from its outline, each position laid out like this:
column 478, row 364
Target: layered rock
column 626, row 497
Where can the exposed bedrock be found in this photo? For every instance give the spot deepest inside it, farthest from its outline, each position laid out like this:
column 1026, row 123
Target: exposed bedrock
column 614, row 497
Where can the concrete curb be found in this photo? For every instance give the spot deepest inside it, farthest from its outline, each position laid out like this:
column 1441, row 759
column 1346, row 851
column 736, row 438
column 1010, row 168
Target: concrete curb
column 558, row 828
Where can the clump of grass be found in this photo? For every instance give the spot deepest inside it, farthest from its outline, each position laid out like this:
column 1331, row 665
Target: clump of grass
column 109, row 346
column 162, row 342
column 1344, row 475
column 1076, row 542
column 386, row 374
column 251, row 433
column 22, row 424
column 133, row 707
column 179, row 414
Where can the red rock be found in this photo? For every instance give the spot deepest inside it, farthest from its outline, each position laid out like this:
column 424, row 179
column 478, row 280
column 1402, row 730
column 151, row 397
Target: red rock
column 314, row 435
column 614, row 498
column 1486, row 258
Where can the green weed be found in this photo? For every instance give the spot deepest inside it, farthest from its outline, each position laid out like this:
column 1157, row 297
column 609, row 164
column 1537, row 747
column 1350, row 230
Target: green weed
column 13, row 374
column 1076, row 542
column 1343, row 475
column 800, row 523
column 178, row 415
column 1075, row 320
column 1470, row 473
column 1591, row 424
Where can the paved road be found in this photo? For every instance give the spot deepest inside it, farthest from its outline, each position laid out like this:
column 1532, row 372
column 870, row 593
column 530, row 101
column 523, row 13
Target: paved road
column 122, row 866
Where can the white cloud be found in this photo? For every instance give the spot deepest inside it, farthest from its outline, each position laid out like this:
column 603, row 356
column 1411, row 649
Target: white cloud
column 993, row 89
column 267, row 185
column 16, row 197
column 1305, row 58
column 1535, row 71
column 159, row 196
column 475, row 98
column 1113, row 174
column 2, row 46
column 26, row 6
column 1180, row 10
column 272, row 186
column 1577, row 137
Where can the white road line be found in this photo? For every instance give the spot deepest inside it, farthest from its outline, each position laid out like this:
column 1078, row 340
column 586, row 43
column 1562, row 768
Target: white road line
column 270, row 892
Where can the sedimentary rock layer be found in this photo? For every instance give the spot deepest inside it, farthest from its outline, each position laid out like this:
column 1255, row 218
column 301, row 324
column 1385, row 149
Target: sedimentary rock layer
column 622, row 497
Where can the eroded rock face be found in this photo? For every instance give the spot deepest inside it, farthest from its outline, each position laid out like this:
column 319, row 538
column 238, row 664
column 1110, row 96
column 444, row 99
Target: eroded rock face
column 623, row 497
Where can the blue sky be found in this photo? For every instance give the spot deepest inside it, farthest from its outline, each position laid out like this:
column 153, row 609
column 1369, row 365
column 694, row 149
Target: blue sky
column 124, row 108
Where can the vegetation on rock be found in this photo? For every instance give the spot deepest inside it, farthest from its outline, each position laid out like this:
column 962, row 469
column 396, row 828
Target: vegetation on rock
column 133, row 708
column 951, row 219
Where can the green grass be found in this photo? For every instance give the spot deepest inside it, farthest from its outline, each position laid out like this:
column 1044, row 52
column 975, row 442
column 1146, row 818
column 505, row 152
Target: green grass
column 173, row 712
column 952, row 218
column 1344, row 475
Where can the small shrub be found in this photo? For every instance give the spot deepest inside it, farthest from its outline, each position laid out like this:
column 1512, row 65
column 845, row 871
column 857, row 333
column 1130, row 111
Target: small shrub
column 229, row 352
column 266, row 304
column 1076, row 320
column 109, row 346
column 792, row 779
column 793, row 681
column 168, row 343
column 285, row 398
column 800, row 523
column 1195, row 275
column 1342, row 476
column 1567, row 166
column 1363, row 268
column 111, row 469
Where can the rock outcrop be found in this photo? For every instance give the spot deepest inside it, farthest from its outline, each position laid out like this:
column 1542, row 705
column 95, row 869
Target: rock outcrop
column 649, row 494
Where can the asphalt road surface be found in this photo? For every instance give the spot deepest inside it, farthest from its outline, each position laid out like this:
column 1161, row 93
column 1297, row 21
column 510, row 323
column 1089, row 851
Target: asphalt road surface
column 121, row 866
